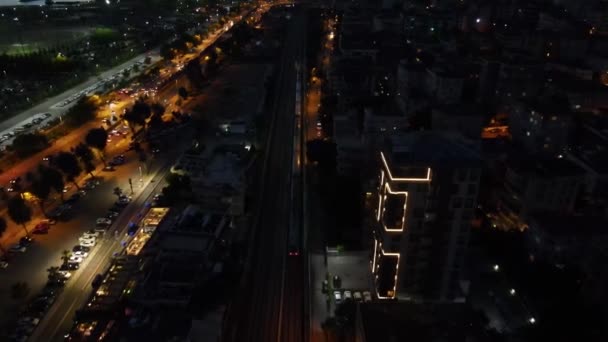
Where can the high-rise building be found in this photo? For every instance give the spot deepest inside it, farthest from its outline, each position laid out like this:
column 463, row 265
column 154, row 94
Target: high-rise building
column 427, row 192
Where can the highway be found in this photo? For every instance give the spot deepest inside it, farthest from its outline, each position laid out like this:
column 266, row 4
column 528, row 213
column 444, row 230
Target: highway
column 263, row 304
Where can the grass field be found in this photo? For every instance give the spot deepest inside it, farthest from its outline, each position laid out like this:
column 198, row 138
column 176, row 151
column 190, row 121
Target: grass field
column 15, row 42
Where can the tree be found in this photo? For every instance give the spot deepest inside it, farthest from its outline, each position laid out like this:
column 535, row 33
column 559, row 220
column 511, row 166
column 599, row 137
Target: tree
column 98, row 139
column 41, row 188
column 69, row 166
column 177, row 185
column 53, row 271
column 65, row 256
column 85, row 154
column 166, row 52
column 19, row 212
column 117, row 191
column 182, row 92
column 53, row 178
column 83, row 111
column 138, row 114
column 27, row 144
column 3, row 228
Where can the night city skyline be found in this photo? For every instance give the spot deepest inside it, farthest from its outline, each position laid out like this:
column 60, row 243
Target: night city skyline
column 303, row 171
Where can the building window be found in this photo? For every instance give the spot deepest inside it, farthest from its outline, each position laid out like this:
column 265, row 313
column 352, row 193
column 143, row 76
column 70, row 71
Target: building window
column 471, row 189
column 468, row 203
column 457, row 202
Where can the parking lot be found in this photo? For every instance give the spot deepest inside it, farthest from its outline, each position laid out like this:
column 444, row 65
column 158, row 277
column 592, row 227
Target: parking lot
column 353, row 271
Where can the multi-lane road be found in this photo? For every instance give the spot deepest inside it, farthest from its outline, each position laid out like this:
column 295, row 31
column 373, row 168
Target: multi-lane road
column 268, row 306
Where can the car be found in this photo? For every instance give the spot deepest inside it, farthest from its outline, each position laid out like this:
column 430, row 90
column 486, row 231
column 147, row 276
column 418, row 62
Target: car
column 79, row 248
column 109, row 168
column 41, row 228
column 74, row 198
column 118, row 160
column 86, row 237
column 367, row 296
column 103, row 221
column 65, row 274
column 56, row 282
column 15, row 180
column 17, row 248
column 357, row 296
column 29, row 321
column 75, row 259
column 80, row 254
column 91, row 233
column 90, row 184
column 348, row 295
column 112, row 214
column 69, row 266
column 155, row 151
column 25, row 241
column 87, row 243
column 66, row 188
column 3, row 264
column 50, row 222
column 338, row 297
column 337, row 282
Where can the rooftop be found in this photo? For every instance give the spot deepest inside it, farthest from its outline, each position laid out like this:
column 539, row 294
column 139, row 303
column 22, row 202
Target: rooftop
column 542, row 168
column 570, row 225
column 401, row 321
column 429, row 149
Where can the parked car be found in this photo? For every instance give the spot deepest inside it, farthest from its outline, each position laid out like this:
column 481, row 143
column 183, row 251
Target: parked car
column 41, row 228
column 25, row 241
column 3, row 264
column 357, row 296
column 87, row 243
column 103, row 221
column 79, row 248
column 80, row 254
column 337, row 282
column 348, row 295
column 17, row 248
column 338, row 297
column 75, row 259
column 69, row 266
column 367, row 296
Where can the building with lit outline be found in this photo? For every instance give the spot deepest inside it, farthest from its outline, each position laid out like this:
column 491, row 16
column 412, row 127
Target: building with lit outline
column 427, row 191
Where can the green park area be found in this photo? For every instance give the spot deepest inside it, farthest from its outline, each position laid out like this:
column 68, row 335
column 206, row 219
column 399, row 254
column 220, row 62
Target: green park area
column 30, row 40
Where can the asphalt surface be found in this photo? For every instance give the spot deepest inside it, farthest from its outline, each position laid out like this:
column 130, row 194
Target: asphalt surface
column 262, row 304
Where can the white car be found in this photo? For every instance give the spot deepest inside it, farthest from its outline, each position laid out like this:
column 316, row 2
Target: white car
column 348, row 295
column 75, row 259
column 80, row 254
column 103, row 221
column 3, row 264
column 87, row 239
column 87, row 243
column 367, row 296
column 65, row 274
column 91, row 234
column 338, row 297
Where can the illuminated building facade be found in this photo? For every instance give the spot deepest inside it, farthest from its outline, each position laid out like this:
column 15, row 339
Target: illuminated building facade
column 426, row 195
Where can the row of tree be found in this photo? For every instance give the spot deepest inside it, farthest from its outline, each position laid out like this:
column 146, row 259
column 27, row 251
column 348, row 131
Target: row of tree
column 63, row 167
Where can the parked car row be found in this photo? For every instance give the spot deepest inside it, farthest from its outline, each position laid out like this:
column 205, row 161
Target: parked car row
column 23, row 127
column 358, row 296
column 30, row 317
